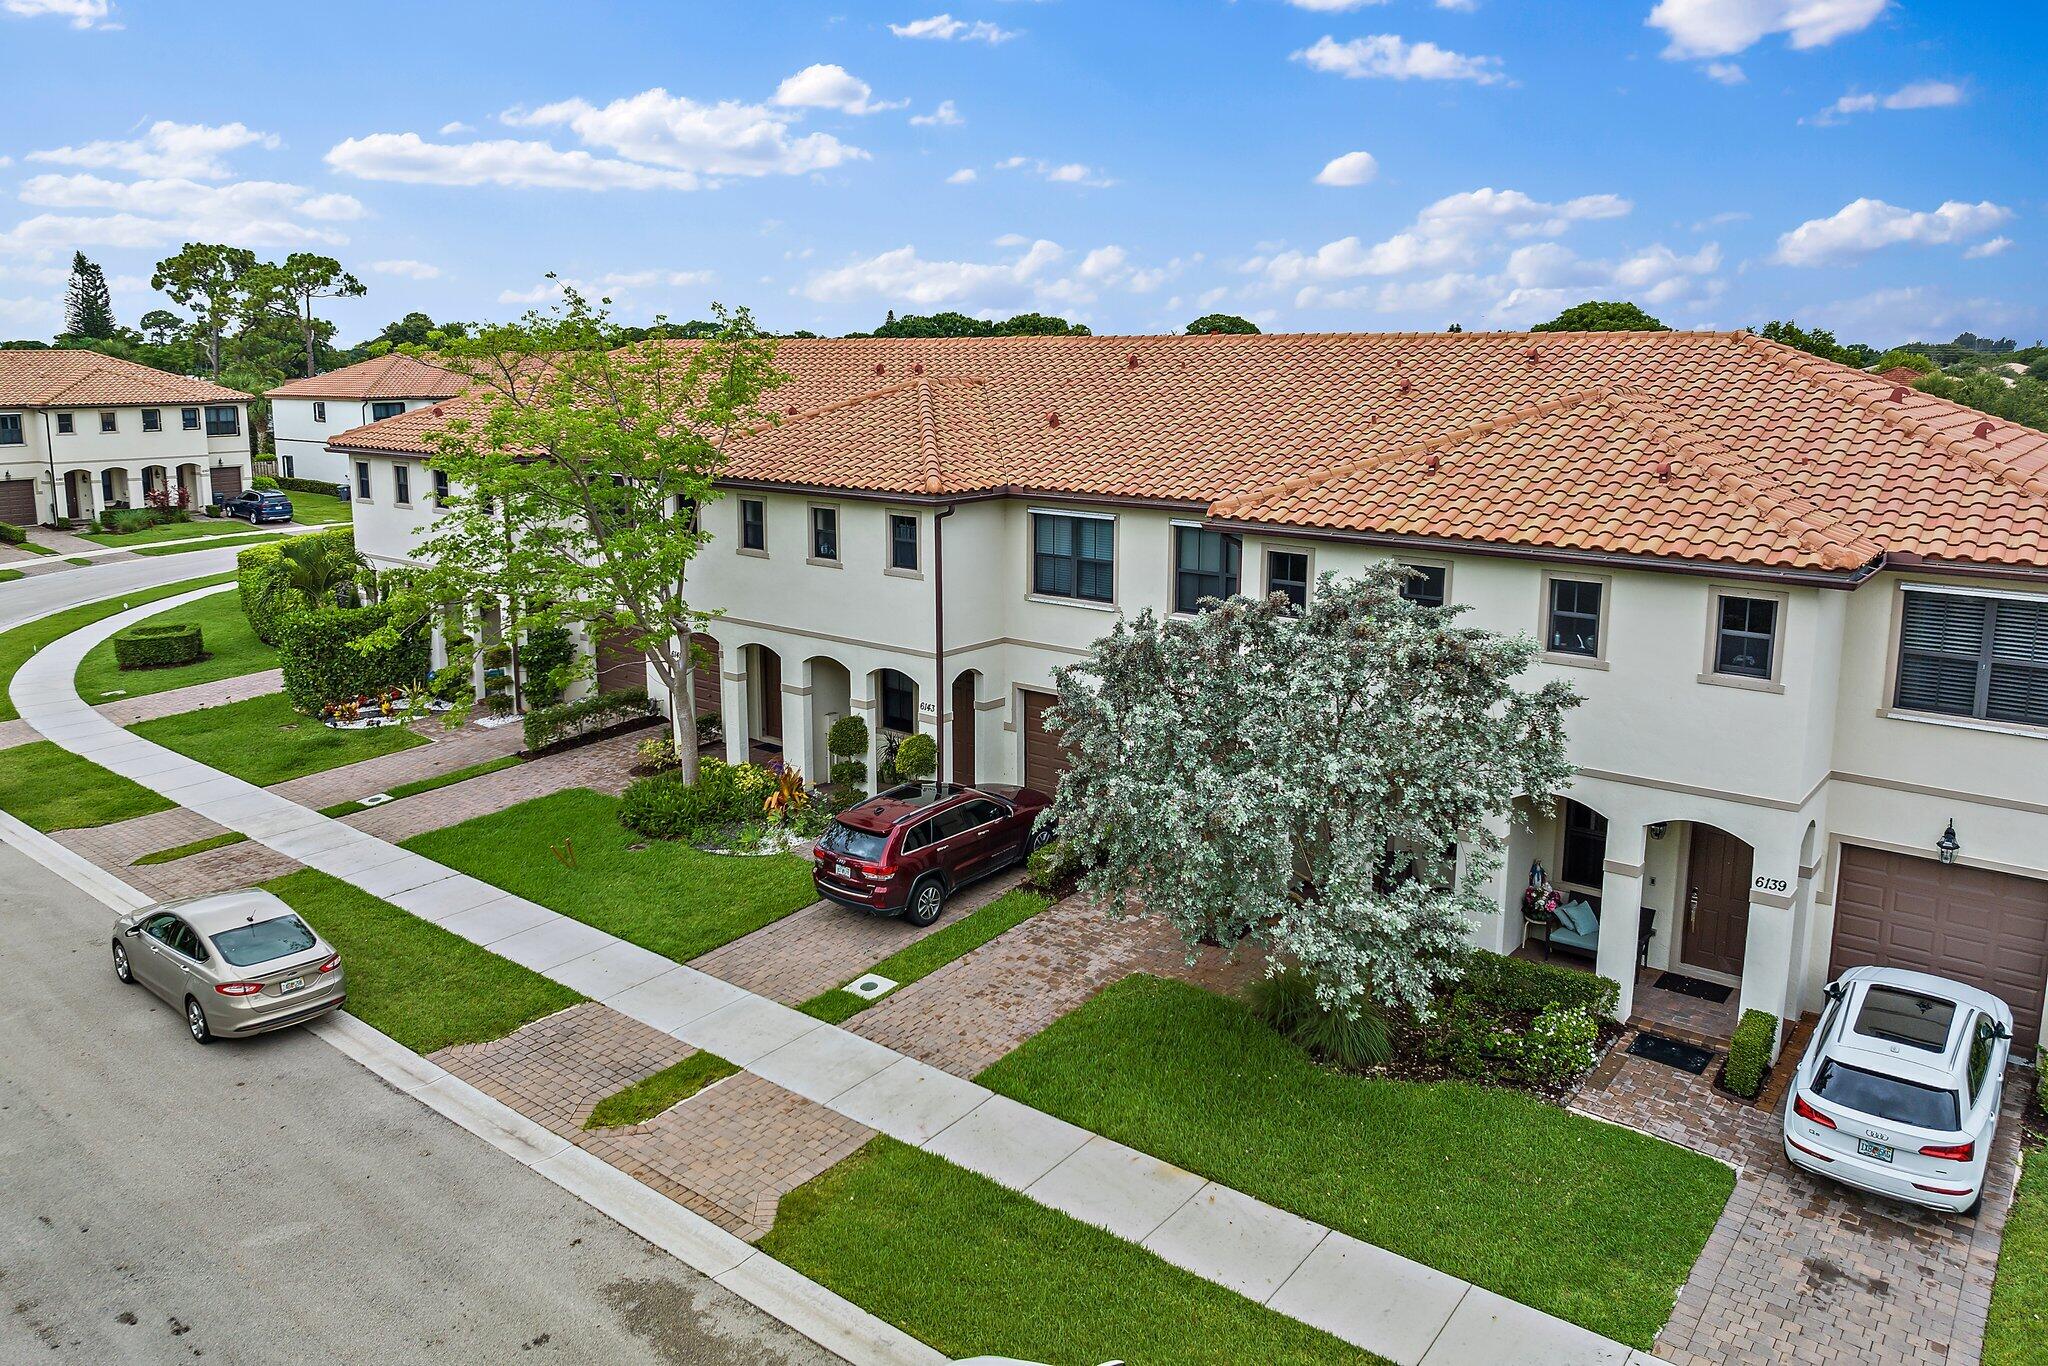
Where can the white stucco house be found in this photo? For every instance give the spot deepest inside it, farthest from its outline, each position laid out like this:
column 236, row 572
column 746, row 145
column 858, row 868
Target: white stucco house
column 81, row 432
column 1807, row 607
column 304, row 413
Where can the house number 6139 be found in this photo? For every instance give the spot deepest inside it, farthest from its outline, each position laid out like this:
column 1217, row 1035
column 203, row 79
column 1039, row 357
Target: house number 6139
column 1769, row 884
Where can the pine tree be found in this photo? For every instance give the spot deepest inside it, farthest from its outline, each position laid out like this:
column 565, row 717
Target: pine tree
column 88, row 308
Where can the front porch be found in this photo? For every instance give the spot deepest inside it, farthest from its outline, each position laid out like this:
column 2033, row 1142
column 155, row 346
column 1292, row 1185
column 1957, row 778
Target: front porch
column 1663, row 1009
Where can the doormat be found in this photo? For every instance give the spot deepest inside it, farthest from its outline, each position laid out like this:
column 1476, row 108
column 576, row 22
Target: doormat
column 1692, row 986
column 1671, row 1052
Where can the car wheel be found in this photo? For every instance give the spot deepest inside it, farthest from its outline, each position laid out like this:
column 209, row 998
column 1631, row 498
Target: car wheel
column 195, row 1020
column 124, row 973
column 927, row 899
column 1041, row 837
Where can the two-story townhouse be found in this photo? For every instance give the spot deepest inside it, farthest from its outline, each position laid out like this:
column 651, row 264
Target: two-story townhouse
column 304, row 413
column 81, row 432
column 1807, row 607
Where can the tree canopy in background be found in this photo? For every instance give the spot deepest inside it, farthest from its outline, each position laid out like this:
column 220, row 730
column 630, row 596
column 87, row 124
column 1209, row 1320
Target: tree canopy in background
column 960, row 325
column 1211, row 324
column 1602, row 316
column 290, row 290
column 88, row 307
column 1818, row 342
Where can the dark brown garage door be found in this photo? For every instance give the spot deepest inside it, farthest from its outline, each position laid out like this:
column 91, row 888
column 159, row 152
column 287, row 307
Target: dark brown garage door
column 18, row 501
column 1045, row 759
column 620, row 667
column 227, row 481
column 1984, row 928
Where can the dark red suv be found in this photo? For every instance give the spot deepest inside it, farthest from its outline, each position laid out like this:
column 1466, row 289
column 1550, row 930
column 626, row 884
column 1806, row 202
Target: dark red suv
column 904, row 851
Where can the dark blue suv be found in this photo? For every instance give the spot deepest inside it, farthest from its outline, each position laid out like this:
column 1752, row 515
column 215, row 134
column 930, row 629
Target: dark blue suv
column 260, row 505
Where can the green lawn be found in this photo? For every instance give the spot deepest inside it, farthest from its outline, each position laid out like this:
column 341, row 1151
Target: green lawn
column 419, row 785
column 319, row 509
column 1584, row 1220
column 51, row 788
column 931, row 953
column 9, row 575
column 649, row 1096
column 231, row 650
column 2017, row 1332
column 216, row 543
column 186, row 850
column 24, row 640
column 308, row 509
column 568, row 852
column 971, row 1268
column 263, row 741
column 32, row 548
column 422, row 985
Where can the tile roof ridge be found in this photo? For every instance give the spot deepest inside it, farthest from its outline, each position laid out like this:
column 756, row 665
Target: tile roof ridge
column 928, row 438
column 1231, row 504
column 1862, row 391
column 1839, row 545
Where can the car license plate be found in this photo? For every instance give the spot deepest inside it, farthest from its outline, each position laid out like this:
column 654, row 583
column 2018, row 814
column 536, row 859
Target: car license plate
column 294, row 983
column 843, row 869
column 1865, row 1148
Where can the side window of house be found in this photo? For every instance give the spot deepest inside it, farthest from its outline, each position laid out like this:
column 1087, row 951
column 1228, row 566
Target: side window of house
column 10, row 429
column 1205, row 565
column 1073, row 557
column 1287, row 575
column 223, row 421
column 188, row 418
column 825, row 534
column 902, row 541
column 64, row 424
column 899, row 702
column 753, row 524
column 1745, row 636
column 109, row 422
column 1427, row 584
column 363, row 480
column 1585, row 846
column 401, row 484
column 152, row 419
column 440, row 488
column 319, row 412
column 380, row 411
column 1982, row 657
column 1573, row 627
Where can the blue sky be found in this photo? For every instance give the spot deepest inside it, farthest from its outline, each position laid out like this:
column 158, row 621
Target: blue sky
column 1870, row 165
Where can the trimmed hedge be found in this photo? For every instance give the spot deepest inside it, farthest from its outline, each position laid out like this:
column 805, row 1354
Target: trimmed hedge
column 291, row 485
column 321, row 665
column 847, row 738
column 158, row 647
column 1504, row 985
column 10, row 534
column 264, row 578
column 551, row 725
column 1749, row 1053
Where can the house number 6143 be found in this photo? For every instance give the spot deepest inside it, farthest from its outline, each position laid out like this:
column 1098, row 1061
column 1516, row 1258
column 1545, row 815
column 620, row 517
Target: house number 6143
column 1769, row 884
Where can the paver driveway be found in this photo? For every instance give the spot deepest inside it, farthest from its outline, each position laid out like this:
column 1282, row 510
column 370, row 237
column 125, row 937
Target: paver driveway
column 1804, row 1270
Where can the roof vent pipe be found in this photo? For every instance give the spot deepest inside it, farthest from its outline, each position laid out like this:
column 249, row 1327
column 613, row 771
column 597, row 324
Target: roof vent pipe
column 1531, row 354
column 1433, row 461
column 1131, row 361
column 1985, row 429
column 1899, row 394
column 1407, row 385
column 917, row 369
column 878, row 368
column 1052, row 419
column 1663, row 471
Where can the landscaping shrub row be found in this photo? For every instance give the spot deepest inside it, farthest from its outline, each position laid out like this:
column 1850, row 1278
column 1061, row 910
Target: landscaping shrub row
column 1517, row 986
column 160, row 646
column 290, row 485
column 317, row 652
column 1749, row 1053
column 10, row 534
column 548, row 726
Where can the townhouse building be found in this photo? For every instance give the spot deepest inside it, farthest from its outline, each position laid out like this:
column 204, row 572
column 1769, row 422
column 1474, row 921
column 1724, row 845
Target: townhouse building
column 1807, row 607
column 81, row 432
column 304, row 413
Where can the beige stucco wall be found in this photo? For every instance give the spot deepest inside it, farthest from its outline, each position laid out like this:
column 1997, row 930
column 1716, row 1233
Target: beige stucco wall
column 128, row 448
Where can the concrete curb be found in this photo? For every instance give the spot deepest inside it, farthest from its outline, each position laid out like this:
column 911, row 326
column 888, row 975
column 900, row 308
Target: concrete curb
column 833, row 1322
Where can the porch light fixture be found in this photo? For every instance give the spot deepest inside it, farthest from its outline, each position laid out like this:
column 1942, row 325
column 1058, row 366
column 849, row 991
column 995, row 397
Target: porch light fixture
column 1657, row 830
column 1948, row 846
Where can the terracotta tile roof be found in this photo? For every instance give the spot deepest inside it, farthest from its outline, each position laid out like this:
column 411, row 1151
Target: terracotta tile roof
column 392, row 376
column 1899, row 374
column 1776, row 458
column 54, row 378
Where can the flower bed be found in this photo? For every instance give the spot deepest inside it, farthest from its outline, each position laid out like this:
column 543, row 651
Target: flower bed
column 745, row 809
column 393, row 707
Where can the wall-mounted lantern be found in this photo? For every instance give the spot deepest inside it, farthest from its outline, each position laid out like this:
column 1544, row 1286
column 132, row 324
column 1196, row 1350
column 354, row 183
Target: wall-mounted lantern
column 1948, row 846
column 1657, row 830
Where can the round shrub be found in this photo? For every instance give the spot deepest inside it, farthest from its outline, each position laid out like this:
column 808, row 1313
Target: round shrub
column 158, row 647
column 917, row 757
column 848, row 737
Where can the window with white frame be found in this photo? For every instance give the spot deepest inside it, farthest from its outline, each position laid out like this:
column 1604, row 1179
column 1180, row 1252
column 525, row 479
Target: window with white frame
column 753, row 525
column 109, row 421
column 152, row 419
column 902, row 542
column 1428, row 585
column 1572, row 616
column 10, row 430
column 1287, row 575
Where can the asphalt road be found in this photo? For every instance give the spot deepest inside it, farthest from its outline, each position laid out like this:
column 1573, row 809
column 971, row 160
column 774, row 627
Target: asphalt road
column 38, row 596
column 268, row 1200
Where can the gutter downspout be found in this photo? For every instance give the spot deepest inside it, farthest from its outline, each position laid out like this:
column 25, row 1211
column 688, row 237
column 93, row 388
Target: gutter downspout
column 939, row 636
column 50, row 454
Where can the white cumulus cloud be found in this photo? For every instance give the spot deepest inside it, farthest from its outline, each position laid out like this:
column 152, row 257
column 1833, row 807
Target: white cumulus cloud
column 945, row 28
column 1353, row 168
column 81, row 13
column 1722, row 28
column 966, row 175
column 1058, row 172
column 146, row 214
column 410, row 159
column 1867, row 225
column 1913, row 95
column 1392, row 57
column 407, row 268
column 945, row 116
column 726, row 138
column 192, row 151
column 1456, row 230
column 827, row 85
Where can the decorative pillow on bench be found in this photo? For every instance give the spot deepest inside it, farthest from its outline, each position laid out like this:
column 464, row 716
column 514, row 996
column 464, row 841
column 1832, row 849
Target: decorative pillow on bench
column 1579, row 918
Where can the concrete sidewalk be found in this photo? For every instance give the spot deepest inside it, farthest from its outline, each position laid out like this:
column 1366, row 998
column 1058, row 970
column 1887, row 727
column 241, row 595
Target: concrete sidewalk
column 1358, row 1292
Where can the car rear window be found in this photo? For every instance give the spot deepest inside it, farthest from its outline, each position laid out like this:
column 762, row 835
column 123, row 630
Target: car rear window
column 264, row 940
column 1899, row 1016
column 842, row 838
column 1872, row 1093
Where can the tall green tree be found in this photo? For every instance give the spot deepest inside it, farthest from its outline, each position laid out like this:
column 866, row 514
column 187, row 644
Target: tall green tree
column 88, row 307
column 1602, row 316
column 207, row 279
column 1212, row 324
column 292, row 290
column 1294, row 778
column 161, row 327
column 577, row 467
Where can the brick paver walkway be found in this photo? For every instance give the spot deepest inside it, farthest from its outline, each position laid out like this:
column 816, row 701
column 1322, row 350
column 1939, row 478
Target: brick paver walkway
column 1803, row 1270
column 730, row 1152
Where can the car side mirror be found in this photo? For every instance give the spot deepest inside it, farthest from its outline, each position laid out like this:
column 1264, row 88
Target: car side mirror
column 132, row 931
column 1999, row 1031
column 1833, row 991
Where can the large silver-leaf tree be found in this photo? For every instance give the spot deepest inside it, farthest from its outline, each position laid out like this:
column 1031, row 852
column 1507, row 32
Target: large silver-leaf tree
column 1297, row 778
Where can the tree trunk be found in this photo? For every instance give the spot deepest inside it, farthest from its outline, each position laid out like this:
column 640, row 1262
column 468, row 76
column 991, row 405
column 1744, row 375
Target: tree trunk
column 682, row 715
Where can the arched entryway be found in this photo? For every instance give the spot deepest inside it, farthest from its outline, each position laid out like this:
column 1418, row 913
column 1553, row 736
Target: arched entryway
column 156, row 485
column 961, row 735
column 1713, row 922
column 764, row 697
column 831, row 686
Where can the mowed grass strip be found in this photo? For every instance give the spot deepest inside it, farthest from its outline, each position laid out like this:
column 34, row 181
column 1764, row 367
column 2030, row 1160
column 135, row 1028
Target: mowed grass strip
column 178, row 851
column 212, row 543
column 931, row 953
column 50, row 788
column 419, row 785
column 262, row 740
column 2017, row 1332
column 973, row 1269
column 1587, row 1221
column 568, row 852
column 24, row 640
column 232, row 650
column 424, row 986
column 649, row 1096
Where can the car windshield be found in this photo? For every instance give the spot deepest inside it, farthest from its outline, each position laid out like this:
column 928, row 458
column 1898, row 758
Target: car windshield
column 264, row 940
column 860, row 844
column 1899, row 1016
column 1872, row 1093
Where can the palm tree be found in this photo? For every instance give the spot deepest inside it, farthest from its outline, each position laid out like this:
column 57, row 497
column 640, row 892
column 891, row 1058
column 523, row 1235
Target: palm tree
column 317, row 573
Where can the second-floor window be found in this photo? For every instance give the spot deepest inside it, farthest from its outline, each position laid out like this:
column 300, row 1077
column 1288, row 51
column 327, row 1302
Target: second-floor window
column 1573, row 627
column 188, row 418
column 1745, row 636
column 64, row 424
column 440, row 488
column 223, row 421
column 10, row 429
column 109, row 422
column 380, row 411
column 753, row 525
column 825, row 534
column 1073, row 557
column 1983, row 657
column 1287, row 575
column 902, row 541
column 363, row 480
column 1205, row 565
column 1427, row 584
column 319, row 412
column 152, row 419
column 401, row 484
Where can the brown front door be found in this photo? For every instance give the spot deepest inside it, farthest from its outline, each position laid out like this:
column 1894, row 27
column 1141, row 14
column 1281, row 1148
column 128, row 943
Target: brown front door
column 1717, row 901
column 1045, row 759
column 771, row 694
column 963, row 730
